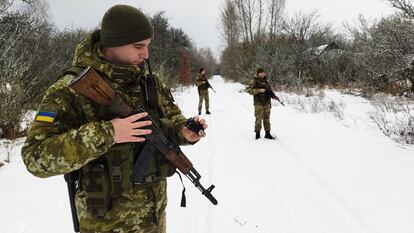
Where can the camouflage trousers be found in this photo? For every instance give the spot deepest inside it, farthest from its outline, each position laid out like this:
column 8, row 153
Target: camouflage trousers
column 138, row 210
column 203, row 95
column 262, row 113
column 160, row 228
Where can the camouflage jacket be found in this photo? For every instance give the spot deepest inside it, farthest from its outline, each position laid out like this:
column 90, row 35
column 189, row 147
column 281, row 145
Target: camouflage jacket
column 254, row 89
column 70, row 132
column 202, row 83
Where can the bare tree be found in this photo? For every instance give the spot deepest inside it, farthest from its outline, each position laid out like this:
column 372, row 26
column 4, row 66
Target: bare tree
column 276, row 8
column 229, row 23
column 4, row 6
column 247, row 12
column 383, row 48
column 406, row 7
column 304, row 35
column 242, row 14
column 258, row 17
column 15, row 61
column 261, row 20
column 37, row 10
column 30, row 61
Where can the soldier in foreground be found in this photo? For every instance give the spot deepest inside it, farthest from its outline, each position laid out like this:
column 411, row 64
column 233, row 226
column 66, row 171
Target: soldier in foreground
column 71, row 132
column 262, row 95
column 202, row 86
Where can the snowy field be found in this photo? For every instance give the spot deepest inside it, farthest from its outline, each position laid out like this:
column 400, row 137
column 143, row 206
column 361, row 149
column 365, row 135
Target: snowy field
column 323, row 174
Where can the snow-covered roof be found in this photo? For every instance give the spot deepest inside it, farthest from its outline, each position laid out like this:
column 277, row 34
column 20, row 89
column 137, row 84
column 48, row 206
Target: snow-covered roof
column 322, row 48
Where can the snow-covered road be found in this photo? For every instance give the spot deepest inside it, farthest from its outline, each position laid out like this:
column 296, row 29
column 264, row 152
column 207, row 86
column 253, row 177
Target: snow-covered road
column 318, row 176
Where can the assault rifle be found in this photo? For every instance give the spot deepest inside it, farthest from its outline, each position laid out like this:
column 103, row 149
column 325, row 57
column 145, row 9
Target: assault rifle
column 90, row 84
column 272, row 95
column 209, row 85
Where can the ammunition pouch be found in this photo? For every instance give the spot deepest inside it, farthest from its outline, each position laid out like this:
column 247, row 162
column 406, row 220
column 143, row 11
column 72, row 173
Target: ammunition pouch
column 96, row 184
column 104, row 179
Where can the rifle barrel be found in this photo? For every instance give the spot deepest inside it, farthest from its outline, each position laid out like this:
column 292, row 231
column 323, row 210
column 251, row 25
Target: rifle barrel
column 195, row 177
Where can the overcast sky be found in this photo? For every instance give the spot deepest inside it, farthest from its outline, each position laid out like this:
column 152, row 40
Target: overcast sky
column 199, row 18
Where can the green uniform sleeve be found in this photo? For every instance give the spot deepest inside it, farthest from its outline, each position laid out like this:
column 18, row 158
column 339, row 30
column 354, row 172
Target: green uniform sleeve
column 251, row 89
column 173, row 113
column 62, row 144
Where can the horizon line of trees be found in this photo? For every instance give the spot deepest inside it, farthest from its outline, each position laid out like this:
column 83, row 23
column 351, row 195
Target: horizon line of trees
column 299, row 51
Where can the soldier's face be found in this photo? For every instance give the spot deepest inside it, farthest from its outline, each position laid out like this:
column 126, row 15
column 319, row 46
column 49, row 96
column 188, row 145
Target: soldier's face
column 131, row 54
column 261, row 75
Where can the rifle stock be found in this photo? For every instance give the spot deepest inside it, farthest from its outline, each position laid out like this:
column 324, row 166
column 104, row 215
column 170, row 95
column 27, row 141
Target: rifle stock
column 90, row 84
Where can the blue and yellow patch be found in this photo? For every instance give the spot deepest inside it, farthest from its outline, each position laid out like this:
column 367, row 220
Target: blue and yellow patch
column 48, row 117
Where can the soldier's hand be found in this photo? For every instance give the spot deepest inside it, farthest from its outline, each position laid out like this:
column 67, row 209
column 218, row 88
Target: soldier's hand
column 192, row 136
column 262, row 90
column 130, row 129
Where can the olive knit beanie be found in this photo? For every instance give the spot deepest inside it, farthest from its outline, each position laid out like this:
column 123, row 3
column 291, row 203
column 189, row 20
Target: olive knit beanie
column 123, row 24
column 259, row 70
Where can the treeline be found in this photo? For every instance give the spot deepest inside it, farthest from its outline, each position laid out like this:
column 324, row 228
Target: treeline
column 175, row 55
column 299, row 51
column 34, row 53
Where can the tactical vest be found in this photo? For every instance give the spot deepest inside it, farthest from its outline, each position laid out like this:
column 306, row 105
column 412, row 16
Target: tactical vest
column 204, row 86
column 104, row 179
column 261, row 98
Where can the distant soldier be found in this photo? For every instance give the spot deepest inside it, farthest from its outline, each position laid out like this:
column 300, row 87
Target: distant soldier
column 262, row 93
column 202, row 85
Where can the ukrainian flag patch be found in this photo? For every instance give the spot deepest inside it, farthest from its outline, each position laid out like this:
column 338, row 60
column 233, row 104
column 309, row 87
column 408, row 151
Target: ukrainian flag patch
column 48, row 117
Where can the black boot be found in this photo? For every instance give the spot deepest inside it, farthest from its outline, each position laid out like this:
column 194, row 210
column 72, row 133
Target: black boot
column 269, row 136
column 199, row 113
column 208, row 112
column 257, row 135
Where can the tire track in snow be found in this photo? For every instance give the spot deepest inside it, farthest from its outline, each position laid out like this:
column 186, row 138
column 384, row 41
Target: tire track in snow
column 323, row 186
column 276, row 190
column 329, row 189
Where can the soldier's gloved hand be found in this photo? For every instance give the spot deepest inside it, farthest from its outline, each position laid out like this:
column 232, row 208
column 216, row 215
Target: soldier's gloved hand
column 262, row 90
column 192, row 136
column 196, row 127
column 130, row 129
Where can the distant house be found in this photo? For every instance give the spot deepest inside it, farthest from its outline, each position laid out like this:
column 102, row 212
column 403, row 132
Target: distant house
column 318, row 51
